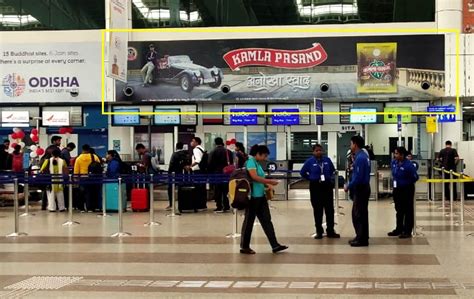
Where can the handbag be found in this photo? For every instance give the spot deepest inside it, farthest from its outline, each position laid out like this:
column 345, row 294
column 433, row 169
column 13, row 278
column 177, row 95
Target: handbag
column 229, row 169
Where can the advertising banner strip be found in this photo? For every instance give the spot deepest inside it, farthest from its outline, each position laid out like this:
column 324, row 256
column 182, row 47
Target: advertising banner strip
column 287, row 59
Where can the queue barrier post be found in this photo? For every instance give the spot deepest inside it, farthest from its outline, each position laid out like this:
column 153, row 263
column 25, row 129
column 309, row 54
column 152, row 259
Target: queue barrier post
column 104, row 201
column 173, row 195
column 70, row 221
column 451, row 195
column 443, row 191
column 17, row 232
column 120, row 233
column 26, row 192
column 152, row 221
column 235, row 224
column 336, row 194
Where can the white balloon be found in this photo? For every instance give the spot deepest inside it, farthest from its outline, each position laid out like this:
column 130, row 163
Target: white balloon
column 33, row 148
column 11, row 150
column 33, row 155
column 16, row 130
column 22, row 144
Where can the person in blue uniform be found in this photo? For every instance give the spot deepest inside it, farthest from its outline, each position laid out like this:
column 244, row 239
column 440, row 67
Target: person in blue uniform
column 319, row 170
column 360, row 187
column 404, row 179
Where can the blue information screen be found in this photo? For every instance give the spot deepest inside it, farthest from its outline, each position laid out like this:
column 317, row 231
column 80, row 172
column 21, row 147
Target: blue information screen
column 124, row 119
column 444, row 118
column 287, row 119
column 242, row 118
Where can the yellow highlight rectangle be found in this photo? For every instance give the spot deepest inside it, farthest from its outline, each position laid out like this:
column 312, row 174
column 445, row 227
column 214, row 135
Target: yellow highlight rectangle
column 282, row 30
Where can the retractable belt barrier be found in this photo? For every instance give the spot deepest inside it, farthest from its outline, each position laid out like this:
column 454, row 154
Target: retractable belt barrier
column 175, row 180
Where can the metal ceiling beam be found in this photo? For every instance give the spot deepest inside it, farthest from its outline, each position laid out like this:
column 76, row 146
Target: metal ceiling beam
column 56, row 14
column 226, row 12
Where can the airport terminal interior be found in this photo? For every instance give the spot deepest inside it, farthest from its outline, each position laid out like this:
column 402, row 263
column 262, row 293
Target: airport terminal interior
column 236, row 149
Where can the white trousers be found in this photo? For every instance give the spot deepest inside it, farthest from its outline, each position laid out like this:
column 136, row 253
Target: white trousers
column 147, row 72
column 52, row 197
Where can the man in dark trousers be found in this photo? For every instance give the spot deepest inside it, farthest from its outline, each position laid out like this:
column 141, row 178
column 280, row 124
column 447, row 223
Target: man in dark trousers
column 219, row 158
column 319, row 170
column 449, row 159
column 179, row 160
column 360, row 187
column 404, row 179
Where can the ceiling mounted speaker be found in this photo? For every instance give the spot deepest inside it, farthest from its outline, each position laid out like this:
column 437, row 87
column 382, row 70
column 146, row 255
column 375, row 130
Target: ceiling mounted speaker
column 324, row 87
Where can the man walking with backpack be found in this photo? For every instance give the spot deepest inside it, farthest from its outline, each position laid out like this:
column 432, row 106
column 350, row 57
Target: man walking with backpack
column 219, row 159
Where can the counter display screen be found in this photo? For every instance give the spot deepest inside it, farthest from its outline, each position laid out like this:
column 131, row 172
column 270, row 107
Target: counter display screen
column 287, row 119
column 240, row 118
column 363, row 118
column 167, row 119
column 126, row 120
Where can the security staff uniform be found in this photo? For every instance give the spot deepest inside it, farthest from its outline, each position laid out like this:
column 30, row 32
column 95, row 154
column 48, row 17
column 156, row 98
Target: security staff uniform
column 320, row 173
column 404, row 178
column 360, row 186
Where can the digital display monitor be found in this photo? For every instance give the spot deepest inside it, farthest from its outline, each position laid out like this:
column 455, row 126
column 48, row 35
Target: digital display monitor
column 287, row 119
column 241, row 118
column 167, row 119
column 393, row 112
column 363, row 118
column 126, row 120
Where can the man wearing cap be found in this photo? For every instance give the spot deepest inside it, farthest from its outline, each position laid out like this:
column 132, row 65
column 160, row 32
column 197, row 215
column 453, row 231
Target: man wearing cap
column 151, row 61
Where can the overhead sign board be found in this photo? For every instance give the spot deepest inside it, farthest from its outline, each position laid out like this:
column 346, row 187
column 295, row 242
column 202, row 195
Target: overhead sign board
column 243, row 118
column 444, row 118
column 55, row 118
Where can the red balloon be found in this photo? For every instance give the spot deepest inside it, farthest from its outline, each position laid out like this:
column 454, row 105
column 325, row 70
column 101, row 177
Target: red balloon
column 70, row 130
column 62, row 130
column 20, row 135
column 14, row 136
column 40, row 151
column 13, row 145
column 34, row 131
column 35, row 138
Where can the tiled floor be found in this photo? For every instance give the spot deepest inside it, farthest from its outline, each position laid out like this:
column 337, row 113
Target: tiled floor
column 189, row 256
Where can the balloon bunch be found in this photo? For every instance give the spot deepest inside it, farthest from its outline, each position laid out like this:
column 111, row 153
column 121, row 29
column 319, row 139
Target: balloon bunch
column 36, row 151
column 34, row 135
column 65, row 130
column 17, row 137
column 231, row 144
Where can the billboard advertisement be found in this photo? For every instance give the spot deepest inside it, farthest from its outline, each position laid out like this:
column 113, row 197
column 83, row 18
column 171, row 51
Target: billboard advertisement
column 283, row 69
column 50, row 72
column 376, row 67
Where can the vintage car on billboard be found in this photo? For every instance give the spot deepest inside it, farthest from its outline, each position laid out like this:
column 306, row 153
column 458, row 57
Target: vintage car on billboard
column 183, row 71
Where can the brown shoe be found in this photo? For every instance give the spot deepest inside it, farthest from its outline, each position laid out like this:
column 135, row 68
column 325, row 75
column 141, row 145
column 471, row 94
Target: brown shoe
column 247, row 251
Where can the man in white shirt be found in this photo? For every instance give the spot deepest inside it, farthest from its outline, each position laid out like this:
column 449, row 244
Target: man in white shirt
column 200, row 189
column 198, row 152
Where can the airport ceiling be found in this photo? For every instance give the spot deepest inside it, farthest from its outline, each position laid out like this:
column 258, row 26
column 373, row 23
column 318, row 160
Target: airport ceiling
column 90, row 14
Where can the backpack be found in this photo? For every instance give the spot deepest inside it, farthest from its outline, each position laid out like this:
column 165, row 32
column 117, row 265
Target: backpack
column 183, row 161
column 239, row 188
column 204, row 163
column 155, row 163
column 125, row 168
column 95, row 167
column 230, row 167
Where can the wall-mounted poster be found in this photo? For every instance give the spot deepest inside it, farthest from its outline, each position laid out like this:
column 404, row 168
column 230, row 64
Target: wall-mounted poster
column 118, row 41
column 282, row 69
column 376, row 68
column 59, row 71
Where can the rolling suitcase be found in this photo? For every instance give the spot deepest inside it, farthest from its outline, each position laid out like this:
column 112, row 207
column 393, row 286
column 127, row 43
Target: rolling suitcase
column 191, row 197
column 139, row 196
column 111, row 197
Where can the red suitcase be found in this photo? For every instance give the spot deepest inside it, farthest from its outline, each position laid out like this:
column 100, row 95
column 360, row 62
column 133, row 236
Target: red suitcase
column 139, row 198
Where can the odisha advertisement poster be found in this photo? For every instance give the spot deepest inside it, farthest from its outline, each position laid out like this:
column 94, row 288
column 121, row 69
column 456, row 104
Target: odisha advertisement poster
column 376, row 68
column 282, row 69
